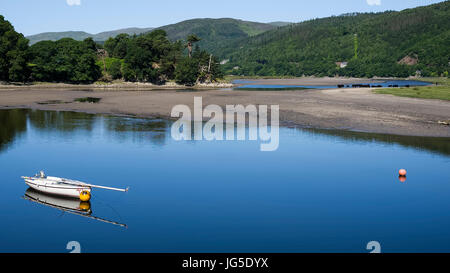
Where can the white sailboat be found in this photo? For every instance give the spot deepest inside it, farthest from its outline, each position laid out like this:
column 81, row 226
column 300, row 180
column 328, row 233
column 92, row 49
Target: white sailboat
column 63, row 186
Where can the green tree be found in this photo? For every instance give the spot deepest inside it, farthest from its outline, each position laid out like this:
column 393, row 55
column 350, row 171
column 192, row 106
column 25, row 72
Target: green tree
column 128, row 73
column 117, row 46
column 65, row 60
column 187, row 72
column 115, row 69
column 90, row 44
column 152, row 57
column 110, row 45
column 13, row 53
column 19, row 70
column 208, row 66
column 191, row 39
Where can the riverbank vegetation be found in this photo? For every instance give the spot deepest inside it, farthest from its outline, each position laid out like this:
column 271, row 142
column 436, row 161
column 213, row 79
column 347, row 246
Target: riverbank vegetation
column 440, row 90
column 149, row 57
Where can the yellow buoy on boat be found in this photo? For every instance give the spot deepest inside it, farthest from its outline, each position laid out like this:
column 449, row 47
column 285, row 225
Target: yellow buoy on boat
column 85, row 206
column 85, row 196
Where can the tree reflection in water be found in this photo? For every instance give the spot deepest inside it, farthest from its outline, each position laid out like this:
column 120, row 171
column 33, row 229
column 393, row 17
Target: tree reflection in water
column 14, row 124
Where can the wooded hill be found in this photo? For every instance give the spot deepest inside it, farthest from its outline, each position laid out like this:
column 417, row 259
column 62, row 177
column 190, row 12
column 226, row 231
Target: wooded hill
column 212, row 31
column 373, row 44
column 215, row 32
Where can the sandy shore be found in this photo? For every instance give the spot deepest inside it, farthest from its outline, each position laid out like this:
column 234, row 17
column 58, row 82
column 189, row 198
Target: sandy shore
column 351, row 109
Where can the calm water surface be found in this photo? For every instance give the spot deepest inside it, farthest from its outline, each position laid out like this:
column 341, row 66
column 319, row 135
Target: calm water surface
column 248, row 84
column 321, row 191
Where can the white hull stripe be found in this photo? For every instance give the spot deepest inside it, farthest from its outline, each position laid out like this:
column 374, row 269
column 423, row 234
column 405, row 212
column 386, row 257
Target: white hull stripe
column 64, row 188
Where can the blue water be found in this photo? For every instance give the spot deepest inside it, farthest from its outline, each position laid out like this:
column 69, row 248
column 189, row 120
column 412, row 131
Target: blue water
column 321, row 191
column 385, row 84
column 242, row 81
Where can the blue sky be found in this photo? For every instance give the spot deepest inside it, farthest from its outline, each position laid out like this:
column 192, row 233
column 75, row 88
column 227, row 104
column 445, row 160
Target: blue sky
column 35, row 16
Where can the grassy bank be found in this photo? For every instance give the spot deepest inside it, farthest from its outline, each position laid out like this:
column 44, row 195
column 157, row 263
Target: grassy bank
column 440, row 91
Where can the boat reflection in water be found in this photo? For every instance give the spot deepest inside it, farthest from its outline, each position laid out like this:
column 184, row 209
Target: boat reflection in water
column 70, row 205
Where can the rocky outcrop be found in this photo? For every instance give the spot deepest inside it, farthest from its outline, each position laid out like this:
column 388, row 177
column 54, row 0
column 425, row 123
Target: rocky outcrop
column 409, row 60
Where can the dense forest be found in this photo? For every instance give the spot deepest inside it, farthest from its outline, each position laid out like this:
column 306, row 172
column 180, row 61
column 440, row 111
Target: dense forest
column 149, row 57
column 375, row 44
column 13, row 53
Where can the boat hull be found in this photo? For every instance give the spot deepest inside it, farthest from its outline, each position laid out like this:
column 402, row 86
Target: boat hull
column 58, row 202
column 50, row 187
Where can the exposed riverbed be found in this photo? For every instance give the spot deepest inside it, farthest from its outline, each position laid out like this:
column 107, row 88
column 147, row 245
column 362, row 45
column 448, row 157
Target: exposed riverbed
column 356, row 109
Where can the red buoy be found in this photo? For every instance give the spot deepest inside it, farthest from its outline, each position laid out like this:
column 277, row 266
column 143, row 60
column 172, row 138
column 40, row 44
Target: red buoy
column 402, row 172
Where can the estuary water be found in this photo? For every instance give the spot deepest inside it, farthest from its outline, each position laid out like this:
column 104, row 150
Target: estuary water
column 321, row 191
column 250, row 85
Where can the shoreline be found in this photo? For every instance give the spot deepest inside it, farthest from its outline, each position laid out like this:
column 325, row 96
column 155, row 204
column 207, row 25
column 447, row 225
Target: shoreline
column 358, row 110
column 122, row 86
column 227, row 83
column 282, row 122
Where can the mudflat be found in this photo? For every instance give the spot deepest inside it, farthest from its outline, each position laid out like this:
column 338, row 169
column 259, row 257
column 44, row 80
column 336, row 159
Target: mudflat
column 356, row 109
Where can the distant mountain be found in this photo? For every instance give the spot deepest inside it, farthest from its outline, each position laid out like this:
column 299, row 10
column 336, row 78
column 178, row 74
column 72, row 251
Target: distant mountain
column 103, row 36
column 53, row 36
column 213, row 32
column 392, row 43
column 81, row 35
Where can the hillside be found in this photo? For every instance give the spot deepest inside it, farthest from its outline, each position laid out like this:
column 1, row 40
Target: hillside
column 212, row 31
column 215, row 32
column 81, row 35
column 280, row 23
column 382, row 41
column 103, row 36
column 53, row 36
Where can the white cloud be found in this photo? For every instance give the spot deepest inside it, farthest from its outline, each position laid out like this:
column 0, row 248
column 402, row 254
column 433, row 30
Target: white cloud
column 373, row 2
column 78, row 2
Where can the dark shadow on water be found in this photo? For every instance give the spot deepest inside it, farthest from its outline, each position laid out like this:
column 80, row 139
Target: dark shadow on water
column 140, row 130
column 438, row 145
column 13, row 123
column 153, row 130
column 62, row 121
